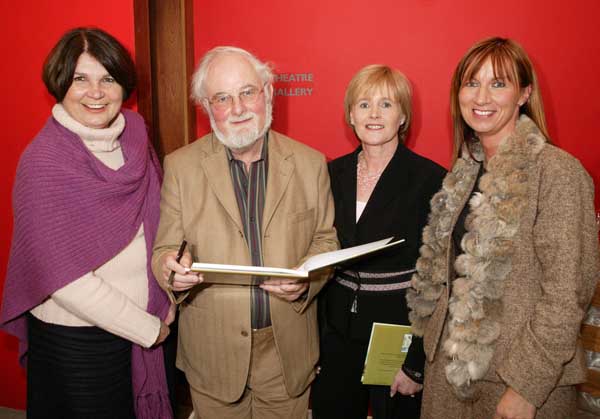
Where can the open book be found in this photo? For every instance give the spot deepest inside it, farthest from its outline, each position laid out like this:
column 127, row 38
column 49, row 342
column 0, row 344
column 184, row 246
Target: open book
column 312, row 264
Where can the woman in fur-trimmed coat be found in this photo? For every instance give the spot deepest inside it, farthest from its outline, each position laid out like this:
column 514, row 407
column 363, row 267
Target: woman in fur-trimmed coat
column 510, row 255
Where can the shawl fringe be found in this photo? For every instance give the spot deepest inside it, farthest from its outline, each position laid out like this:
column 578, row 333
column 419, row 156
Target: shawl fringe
column 153, row 406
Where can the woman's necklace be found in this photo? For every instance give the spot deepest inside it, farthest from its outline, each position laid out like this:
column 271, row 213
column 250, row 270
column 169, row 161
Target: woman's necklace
column 366, row 181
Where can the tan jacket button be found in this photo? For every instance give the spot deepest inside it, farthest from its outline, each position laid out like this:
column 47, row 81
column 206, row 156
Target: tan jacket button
column 244, row 333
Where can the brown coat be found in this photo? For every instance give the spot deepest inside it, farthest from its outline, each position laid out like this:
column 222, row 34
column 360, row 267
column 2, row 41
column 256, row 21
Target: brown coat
column 553, row 262
column 198, row 204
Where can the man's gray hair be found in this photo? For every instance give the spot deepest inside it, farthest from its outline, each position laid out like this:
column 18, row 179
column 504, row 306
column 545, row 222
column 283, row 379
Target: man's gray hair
column 198, row 91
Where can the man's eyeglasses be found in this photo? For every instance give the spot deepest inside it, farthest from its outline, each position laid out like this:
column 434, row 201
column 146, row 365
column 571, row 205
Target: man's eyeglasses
column 247, row 96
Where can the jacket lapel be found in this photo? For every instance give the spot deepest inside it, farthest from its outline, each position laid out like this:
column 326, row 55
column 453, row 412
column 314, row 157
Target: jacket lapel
column 216, row 168
column 393, row 179
column 346, row 180
column 281, row 170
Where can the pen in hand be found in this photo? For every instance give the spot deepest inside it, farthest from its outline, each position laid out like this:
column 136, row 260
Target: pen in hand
column 177, row 259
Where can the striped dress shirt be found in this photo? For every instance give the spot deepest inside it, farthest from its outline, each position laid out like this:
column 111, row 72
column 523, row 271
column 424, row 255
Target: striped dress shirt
column 250, row 188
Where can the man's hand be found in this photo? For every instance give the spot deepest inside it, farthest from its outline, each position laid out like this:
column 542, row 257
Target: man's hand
column 404, row 385
column 183, row 279
column 513, row 406
column 286, row 289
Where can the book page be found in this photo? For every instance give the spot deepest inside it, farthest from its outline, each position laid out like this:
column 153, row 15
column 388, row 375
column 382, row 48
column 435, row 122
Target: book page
column 337, row 256
column 313, row 263
column 248, row 270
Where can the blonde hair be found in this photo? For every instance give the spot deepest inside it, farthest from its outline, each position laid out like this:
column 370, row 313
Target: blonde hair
column 510, row 61
column 376, row 76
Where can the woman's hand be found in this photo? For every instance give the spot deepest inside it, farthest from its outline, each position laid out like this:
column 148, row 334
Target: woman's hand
column 162, row 334
column 170, row 318
column 404, row 385
column 513, row 406
column 164, row 325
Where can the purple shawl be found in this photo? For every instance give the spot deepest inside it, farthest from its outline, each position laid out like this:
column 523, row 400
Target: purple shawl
column 71, row 215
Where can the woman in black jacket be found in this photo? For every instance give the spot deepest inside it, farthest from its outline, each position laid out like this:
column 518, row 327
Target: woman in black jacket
column 382, row 189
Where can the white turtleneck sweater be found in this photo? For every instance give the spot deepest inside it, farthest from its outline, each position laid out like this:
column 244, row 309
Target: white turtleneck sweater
column 115, row 295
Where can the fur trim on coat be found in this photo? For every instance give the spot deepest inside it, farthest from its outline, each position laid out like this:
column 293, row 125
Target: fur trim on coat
column 487, row 246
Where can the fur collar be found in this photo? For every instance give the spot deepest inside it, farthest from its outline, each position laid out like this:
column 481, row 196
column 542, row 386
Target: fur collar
column 491, row 226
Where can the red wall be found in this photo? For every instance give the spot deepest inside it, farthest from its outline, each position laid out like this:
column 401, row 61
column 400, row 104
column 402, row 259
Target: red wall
column 331, row 39
column 29, row 30
column 423, row 38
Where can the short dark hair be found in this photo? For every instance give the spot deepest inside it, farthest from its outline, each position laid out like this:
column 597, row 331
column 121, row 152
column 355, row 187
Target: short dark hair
column 60, row 63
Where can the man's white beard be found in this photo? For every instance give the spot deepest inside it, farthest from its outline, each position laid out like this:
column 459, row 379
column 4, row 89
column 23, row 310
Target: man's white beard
column 246, row 138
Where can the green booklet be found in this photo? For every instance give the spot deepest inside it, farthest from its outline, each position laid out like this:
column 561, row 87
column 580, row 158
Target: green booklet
column 387, row 351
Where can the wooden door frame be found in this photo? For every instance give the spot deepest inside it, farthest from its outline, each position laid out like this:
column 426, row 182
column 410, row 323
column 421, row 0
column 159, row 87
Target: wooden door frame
column 164, row 51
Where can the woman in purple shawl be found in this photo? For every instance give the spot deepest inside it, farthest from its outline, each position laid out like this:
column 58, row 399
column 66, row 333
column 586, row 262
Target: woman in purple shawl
column 79, row 292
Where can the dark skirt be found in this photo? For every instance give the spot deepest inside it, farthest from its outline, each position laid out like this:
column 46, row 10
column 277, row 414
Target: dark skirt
column 77, row 372
column 337, row 392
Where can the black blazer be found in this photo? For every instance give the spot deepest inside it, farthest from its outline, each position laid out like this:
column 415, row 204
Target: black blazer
column 399, row 206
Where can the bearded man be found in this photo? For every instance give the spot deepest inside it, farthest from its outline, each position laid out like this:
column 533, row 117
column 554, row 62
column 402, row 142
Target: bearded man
column 244, row 194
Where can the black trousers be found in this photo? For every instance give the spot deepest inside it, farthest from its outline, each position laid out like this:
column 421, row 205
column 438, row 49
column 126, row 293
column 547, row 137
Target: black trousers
column 337, row 392
column 77, row 373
